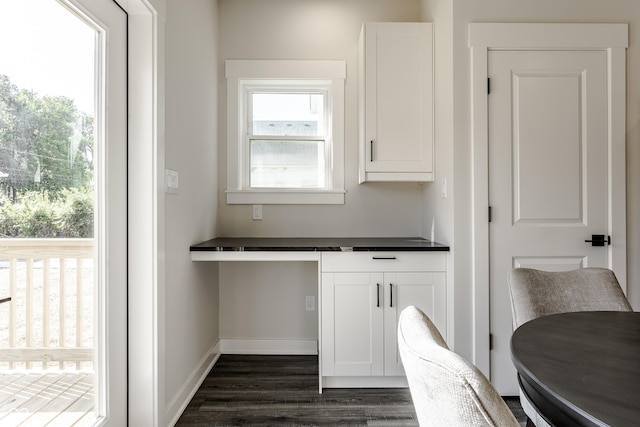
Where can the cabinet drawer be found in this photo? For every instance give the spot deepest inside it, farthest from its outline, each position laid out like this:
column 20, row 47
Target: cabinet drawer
column 384, row 261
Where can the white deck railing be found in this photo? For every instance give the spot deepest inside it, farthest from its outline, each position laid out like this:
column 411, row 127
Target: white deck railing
column 49, row 321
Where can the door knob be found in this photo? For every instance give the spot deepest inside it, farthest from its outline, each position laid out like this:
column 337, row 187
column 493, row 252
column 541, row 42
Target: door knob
column 599, row 240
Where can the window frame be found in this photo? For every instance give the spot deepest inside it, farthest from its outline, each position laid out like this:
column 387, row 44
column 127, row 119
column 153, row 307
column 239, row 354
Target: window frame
column 243, row 76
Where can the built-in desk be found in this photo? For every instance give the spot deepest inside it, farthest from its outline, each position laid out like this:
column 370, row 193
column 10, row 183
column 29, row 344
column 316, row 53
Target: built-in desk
column 210, row 250
column 363, row 285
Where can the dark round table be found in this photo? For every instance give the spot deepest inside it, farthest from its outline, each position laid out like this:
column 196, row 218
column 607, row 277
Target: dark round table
column 581, row 369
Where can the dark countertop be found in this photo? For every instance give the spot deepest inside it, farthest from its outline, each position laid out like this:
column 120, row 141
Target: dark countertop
column 319, row 244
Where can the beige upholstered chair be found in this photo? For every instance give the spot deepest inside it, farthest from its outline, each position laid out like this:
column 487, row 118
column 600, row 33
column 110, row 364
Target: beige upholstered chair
column 446, row 389
column 536, row 293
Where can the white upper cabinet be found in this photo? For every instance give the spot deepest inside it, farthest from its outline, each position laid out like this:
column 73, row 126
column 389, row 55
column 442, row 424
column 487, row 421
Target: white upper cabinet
column 396, row 109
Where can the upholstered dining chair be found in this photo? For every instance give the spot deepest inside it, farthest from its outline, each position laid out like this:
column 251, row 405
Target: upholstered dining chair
column 445, row 388
column 535, row 293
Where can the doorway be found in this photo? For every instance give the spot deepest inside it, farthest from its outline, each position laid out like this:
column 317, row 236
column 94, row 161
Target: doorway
column 607, row 40
column 64, row 205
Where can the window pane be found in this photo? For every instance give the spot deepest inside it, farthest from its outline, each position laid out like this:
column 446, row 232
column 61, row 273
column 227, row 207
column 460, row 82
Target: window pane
column 287, row 164
column 288, row 114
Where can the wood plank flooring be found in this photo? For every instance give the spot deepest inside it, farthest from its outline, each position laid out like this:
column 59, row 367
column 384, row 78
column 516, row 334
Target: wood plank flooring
column 46, row 398
column 283, row 391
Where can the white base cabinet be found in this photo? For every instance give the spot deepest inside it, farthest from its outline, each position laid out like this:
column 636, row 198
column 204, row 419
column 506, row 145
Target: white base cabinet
column 363, row 295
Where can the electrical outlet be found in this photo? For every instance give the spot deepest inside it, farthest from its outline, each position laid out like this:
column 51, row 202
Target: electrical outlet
column 257, row 212
column 310, row 303
column 172, row 181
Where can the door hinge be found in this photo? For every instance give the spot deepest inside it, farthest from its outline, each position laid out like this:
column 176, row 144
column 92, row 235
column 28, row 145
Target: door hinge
column 490, row 341
column 488, row 86
column 489, row 213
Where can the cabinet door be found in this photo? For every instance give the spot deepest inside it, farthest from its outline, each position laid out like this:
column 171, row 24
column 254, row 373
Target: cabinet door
column 424, row 290
column 352, row 324
column 397, row 68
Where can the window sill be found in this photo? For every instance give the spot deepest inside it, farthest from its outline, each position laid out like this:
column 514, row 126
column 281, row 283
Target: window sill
column 285, row 197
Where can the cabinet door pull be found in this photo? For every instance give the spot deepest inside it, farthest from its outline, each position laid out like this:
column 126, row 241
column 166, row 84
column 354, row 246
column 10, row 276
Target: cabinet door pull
column 384, row 257
column 372, row 150
column 391, row 294
column 378, row 294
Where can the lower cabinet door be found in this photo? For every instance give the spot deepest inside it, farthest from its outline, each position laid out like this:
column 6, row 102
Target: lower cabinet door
column 424, row 290
column 352, row 324
column 360, row 314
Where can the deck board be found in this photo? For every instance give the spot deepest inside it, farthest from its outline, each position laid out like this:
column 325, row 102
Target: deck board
column 49, row 398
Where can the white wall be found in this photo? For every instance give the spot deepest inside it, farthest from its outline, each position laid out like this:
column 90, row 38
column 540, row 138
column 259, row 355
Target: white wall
column 190, row 321
column 310, row 29
column 439, row 208
column 259, row 304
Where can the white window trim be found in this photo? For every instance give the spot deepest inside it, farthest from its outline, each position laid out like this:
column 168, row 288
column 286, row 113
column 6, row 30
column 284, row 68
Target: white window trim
column 238, row 71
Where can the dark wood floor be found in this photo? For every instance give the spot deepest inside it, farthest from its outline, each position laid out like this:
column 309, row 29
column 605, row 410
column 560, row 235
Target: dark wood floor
column 283, row 391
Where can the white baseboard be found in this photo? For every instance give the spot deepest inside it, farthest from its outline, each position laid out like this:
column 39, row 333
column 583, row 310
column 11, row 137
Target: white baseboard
column 297, row 347
column 179, row 403
column 364, row 382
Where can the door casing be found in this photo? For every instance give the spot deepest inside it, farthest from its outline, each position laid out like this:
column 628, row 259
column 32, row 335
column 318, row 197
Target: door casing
column 483, row 37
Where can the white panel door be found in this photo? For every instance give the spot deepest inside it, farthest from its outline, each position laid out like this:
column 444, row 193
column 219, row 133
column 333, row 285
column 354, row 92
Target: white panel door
column 424, row 290
column 548, row 174
column 352, row 324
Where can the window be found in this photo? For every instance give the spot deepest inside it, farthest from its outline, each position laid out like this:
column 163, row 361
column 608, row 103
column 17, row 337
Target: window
column 285, row 132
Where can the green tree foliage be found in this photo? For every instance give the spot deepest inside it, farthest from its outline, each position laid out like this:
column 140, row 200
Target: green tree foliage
column 46, row 165
column 45, row 142
column 36, row 214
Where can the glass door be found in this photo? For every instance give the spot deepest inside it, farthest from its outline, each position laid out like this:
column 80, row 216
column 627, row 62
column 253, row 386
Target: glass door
column 62, row 212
